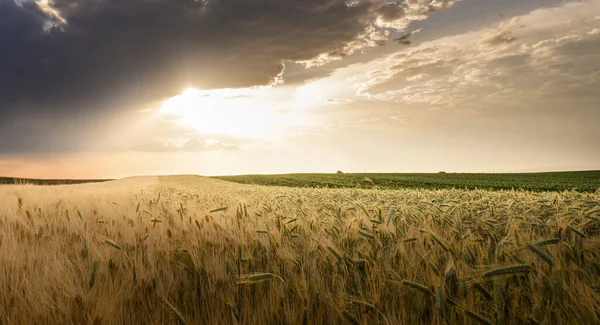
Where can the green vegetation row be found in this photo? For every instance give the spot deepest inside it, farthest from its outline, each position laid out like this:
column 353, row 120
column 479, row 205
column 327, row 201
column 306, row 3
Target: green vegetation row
column 582, row 181
column 17, row 180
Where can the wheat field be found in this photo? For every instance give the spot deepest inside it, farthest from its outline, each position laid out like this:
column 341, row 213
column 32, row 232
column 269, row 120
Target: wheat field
column 194, row 250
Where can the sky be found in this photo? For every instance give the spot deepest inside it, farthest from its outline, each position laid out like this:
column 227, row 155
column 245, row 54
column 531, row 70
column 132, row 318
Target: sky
column 117, row 88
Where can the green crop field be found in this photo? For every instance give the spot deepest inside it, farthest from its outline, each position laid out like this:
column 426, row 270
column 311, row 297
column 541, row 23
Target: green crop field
column 583, row 181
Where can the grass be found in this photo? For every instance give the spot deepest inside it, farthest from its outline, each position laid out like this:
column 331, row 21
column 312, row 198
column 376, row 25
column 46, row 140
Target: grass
column 583, row 181
column 95, row 254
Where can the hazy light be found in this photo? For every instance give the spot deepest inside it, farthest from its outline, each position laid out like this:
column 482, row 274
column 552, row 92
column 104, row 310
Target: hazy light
column 258, row 112
column 46, row 7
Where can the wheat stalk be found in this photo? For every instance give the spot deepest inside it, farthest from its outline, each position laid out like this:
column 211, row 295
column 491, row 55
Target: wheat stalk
column 541, row 253
column 175, row 312
column 94, row 271
column 257, row 277
column 505, row 270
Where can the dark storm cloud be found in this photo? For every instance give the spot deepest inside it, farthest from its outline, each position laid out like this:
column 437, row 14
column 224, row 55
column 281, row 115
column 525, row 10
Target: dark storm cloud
column 64, row 56
column 113, row 46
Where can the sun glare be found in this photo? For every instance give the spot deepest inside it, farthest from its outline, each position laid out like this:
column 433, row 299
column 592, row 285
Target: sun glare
column 246, row 112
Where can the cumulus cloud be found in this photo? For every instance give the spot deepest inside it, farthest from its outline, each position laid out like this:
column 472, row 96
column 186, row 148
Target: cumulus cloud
column 404, row 39
column 551, row 58
column 184, row 145
column 400, row 118
column 501, row 35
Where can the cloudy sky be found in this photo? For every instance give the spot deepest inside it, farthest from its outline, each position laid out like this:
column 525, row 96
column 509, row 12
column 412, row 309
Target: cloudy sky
column 114, row 88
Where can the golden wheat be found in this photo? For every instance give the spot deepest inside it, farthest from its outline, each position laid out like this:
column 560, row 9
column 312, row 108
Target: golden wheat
column 203, row 251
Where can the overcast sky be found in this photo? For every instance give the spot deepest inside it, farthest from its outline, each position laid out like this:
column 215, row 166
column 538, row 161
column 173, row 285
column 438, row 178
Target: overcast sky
column 115, row 88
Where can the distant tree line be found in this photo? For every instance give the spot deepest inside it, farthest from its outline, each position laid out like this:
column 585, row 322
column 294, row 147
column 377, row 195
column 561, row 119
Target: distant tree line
column 20, row 181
